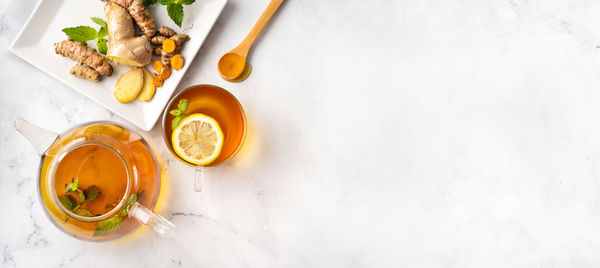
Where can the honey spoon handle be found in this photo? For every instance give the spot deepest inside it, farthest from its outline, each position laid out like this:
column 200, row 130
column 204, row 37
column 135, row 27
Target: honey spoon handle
column 243, row 48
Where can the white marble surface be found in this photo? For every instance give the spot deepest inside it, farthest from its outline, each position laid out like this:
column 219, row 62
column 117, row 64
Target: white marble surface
column 413, row 133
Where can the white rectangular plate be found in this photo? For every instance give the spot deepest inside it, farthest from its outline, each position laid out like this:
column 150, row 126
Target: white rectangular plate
column 35, row 44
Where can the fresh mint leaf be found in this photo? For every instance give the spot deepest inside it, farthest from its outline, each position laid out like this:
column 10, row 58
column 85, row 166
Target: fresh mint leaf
column 102, row 32
column 101, row 44
column 73, row 186
column 182, row 105
column 81, row 33
column 91, row 192
column 175, row 12
column 175, row 112
column 108, row 226
column 175, row 122
column 186, row 2
column 84, row 212
column 99, row 21
column 166, row 2
column 130, row 201
column 81, row 197
column 66, row 201
column 149, row 2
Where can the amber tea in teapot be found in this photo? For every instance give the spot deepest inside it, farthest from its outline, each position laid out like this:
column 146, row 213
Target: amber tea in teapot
column 98, row 181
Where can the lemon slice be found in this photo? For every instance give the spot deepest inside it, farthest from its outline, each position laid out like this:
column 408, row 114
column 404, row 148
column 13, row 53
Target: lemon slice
column 198, row 139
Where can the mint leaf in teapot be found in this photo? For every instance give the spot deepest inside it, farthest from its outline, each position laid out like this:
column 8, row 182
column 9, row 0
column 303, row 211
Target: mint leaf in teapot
column 130, row 201
column 91, row 192
column 108, row 226
column 84, row 212
column 73, row 186
column 81, row 197
column 67, row 201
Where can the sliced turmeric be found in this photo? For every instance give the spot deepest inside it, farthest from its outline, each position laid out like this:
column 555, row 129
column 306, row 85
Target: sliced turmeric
column 158, row 82
column 157, row 66
column 166, row 73
column 168, row 45
column 174, row 42
column 177, row 62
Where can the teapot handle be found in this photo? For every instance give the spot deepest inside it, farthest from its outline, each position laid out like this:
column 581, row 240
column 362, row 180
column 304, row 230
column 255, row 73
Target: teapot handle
column 157, row 222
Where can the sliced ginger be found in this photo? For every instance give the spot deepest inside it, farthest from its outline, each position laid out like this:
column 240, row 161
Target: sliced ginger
column 129, row 85
column 177, row 62
column 148, row 88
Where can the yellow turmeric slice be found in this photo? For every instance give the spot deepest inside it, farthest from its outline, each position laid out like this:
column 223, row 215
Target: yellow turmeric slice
column 158, row 82
column 157, row 66
column 166, row 73
column 177, row 62
column 169, row 45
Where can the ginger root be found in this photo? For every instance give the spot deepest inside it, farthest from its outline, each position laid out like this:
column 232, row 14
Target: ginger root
column 85, row 73
column 139, row 13
column 124, row 47
column 84, row 55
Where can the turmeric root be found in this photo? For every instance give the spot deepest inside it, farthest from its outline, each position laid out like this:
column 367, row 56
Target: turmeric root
column 165, row 60
column 177, row 62
column 85, row 73
column 158, row 40
column 166, row 31
column 85, row 55
column 139, row 13
column 160, row 52
column 174, row 42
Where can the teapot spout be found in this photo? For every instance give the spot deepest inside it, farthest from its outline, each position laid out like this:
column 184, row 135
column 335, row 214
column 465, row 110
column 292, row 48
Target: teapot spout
column 40, row 138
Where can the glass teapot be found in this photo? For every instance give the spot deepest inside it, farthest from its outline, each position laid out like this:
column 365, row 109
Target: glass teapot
column 98, row 181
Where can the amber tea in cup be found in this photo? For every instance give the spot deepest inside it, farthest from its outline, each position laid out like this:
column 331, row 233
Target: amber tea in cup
column 219, row 104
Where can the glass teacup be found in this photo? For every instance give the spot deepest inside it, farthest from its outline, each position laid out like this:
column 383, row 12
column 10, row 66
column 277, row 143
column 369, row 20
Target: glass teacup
column 219, row 104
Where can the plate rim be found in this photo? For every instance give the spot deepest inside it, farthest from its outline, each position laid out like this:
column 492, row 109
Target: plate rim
column 142, row 124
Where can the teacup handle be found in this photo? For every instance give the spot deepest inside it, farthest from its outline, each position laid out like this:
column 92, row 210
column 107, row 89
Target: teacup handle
column 198, row 178
column 157, row 222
